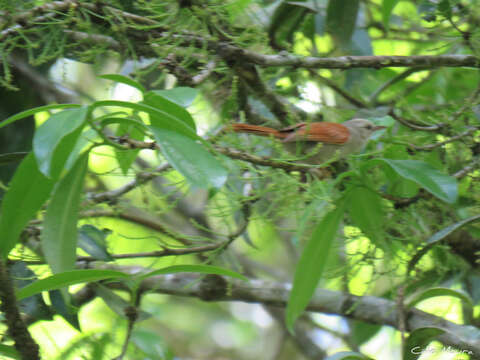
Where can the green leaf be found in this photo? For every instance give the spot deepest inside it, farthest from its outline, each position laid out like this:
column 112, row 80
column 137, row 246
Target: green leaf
column 156, row 100
column 59, row 235
column 62, row 307
column 285, row 20
column 126, row 158
column 440, row 291
column 418, row 340
column 312, row 262
column 12, row 157
column 118, row 304
column 55, row 139
column 202, row 269
column 124, row 80
column 68, row 278
column 126, row 121
column 92, row 241
column 366, row 210
column 347, row 355
column 341, row 19
column 445, row 9
column 30, row 112
column 361, row 331
column 191, row 159
column 182, row 95
column 9, row 351
column 437, row 237
column 27, row 192
column 158, row 117
column 442, row 186
column 151, row 344
column 387, row 8
column 85, row 140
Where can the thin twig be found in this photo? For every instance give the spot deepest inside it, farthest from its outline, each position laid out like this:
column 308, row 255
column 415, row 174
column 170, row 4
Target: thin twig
column 441, row 143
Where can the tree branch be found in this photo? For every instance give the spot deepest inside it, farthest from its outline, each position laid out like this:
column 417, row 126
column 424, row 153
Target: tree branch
column 24, row 343
column 364, row 308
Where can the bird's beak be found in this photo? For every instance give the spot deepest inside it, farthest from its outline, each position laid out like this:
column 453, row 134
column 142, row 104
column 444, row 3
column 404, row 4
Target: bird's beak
column 379, row 127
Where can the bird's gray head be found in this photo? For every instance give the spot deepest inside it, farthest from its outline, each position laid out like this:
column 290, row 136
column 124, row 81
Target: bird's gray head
column 362, row 127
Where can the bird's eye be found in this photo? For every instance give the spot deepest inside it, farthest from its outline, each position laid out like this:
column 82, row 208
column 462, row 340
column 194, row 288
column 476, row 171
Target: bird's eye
column 369, row 127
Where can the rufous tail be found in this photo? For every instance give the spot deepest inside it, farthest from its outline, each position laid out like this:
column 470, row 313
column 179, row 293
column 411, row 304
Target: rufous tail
column 257, row 130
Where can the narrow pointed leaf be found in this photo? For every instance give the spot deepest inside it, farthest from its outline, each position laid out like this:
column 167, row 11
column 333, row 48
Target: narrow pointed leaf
column 27, row 192
column 437, row 237
column 124, row 80
column 440, row 291
column 203, row 269
column 59, row 235
column 30, row 112
column 312, row 262
column 60, row 280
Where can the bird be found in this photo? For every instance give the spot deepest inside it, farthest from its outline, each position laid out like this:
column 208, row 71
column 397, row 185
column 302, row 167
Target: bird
column 338, row 140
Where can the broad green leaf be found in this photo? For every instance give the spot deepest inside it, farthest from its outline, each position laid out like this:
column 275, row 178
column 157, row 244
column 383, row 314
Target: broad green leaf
column 183, row 96
column 191, row 159
column 418, row 340
column 124, row 80
column 442, row 186
column 158, row 117
column 12, row 157
column 341, row 19
column 27, row 192
column 366, row 210
column 92, row 241
column 59, row 235
column 440, row 291
column 9, row 351
column 68, row 278
column 387, row 8
column 312, row 262
column 202, row 269
column 30, row 112
column 55, row 138
column 347, row 355
column 154, row 99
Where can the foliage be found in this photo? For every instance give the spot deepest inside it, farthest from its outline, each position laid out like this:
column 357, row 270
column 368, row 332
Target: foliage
column 130, row 198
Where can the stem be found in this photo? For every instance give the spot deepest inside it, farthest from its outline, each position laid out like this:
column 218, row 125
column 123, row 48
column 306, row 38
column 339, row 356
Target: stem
column 24, row 343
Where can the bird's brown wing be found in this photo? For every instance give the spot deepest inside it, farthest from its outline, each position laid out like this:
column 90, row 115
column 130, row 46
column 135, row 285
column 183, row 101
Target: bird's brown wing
column 325, row 132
